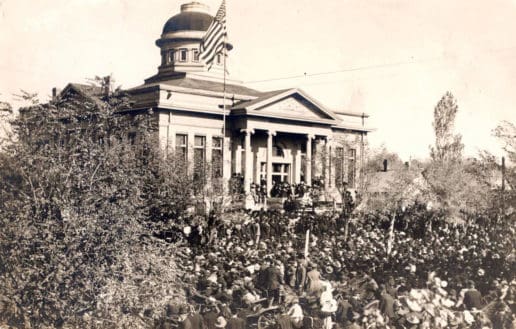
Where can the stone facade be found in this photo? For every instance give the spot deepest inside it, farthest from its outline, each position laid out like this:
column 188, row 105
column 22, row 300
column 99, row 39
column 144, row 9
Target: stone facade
column 282, row 135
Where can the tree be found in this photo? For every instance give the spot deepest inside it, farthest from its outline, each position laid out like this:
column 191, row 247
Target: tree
column 6, row 112
column 448, row 146
column 500, row 178
column 452, row 179
column 79, row 186
column 376, row 159
column 506, row 133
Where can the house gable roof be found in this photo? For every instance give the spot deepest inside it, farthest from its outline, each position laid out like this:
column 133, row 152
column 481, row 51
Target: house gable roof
column 286, row 103
column 88, row 92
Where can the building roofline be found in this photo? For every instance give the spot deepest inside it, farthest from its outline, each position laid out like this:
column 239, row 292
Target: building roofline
column 201, row 92
column 352, row 114
column 243, row 112
column 353, row 128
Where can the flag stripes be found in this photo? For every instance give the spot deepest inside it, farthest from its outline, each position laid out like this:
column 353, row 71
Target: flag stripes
column 213, row 41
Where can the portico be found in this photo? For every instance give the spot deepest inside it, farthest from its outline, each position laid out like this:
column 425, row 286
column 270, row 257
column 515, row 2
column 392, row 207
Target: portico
column 279, row 150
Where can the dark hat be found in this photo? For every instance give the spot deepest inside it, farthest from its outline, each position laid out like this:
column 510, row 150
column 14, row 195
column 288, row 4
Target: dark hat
column 173, row 309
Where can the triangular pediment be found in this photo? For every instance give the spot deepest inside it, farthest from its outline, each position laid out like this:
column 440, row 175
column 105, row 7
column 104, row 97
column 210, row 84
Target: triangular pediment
column 292, row 103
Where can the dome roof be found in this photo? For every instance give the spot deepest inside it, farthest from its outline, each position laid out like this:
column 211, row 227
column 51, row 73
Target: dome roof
column 193, row 17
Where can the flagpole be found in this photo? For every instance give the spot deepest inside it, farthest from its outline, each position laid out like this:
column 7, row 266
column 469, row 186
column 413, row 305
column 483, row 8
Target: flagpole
column 224, row 153
column 224, row 91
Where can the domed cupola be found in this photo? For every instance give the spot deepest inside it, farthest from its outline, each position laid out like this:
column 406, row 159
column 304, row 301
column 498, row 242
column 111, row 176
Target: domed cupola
column 181, row 38
column 194, row 16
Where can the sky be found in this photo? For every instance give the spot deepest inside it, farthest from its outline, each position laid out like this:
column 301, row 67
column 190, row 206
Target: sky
column 392, row 59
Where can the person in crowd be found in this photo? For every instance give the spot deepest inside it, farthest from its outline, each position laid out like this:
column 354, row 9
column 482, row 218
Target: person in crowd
column 273, row 282
column 210, row 317
column 470, row 297
column 313, row 280
column 296, row 313
column 301, row 272
column 235, row 322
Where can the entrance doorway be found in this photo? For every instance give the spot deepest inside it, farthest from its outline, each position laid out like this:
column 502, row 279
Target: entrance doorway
column 280, row 172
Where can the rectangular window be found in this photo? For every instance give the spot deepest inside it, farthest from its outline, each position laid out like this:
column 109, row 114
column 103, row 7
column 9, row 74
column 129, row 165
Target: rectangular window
column 171, row 57
column 195, row 56
column 219, row 59
column 352, row 170
column 182, row 147
column 216, row 157
column 199, row 160
column 183, row 55
column 339, row 166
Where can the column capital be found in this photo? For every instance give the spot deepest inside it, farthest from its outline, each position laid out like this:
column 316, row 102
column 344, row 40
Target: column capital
column 310, row 136
column 247, row 131
column 271, row 132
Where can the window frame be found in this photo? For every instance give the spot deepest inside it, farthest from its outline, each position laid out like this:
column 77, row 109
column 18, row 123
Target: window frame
column 196, row 55
column 199, row 168
column 183, row 146
column 171, row 56
column 215, row 149
column 182, row 51
column 351, row 167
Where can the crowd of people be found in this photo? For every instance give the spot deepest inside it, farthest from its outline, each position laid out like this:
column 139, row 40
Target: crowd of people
column 302, row 269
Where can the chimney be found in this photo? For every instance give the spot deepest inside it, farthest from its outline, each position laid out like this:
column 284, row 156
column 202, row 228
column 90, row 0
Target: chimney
column 385, row 165
column 54, row 94
column 407, row 165
column 106, row 86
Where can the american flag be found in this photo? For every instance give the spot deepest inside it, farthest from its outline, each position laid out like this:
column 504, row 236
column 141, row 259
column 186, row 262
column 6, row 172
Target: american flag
column 213, row 42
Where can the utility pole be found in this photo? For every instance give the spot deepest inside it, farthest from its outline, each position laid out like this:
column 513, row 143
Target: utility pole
column 503, row 174
column 503, row 187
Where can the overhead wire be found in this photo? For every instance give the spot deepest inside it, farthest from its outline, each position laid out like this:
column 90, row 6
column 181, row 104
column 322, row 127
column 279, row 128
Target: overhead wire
column 367, row 67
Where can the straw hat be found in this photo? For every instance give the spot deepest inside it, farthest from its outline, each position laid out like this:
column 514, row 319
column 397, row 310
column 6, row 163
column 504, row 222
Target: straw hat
column 430, row 308
column 468, row 317
column 221, row 322
column 412, row 318
column 413, row 305
column 454, row 321
column 329, row 306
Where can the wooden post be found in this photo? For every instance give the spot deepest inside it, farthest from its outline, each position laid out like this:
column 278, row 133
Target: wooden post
column 307, row 241
column 390, row 239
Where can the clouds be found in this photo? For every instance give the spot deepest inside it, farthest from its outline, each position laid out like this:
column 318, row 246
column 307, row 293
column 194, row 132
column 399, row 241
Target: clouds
column 466, row 47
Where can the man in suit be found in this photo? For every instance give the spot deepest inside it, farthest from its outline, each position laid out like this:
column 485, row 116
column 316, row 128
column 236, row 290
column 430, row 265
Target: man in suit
column 344, row 311
column 273, row 282
column 235, row 322
column 196, row 320
column 470, row 297
column 301, row 276
column 210, row 318
column 387, row 305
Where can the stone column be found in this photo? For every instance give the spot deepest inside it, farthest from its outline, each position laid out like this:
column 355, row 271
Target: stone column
column 327, row 151
column 308, row 174
column 248, row 170
column 238, row 158
column 270, row 136
column 227, row 159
